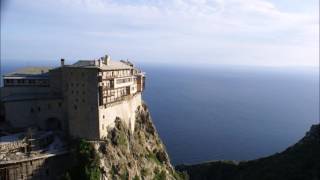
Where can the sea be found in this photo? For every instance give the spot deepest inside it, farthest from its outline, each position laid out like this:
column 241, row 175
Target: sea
column 229, row 112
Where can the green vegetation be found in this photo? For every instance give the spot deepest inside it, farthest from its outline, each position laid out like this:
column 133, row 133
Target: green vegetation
column 87, row 162
column 113, row 171
column 122, row 139
column 144, row 172
column 153, row 157
column 179, row 175
column 136, row 178
column 299, row 162
column 160, row 175
column 124, row 176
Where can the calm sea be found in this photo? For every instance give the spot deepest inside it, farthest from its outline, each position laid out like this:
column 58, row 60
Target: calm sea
column 229, row 113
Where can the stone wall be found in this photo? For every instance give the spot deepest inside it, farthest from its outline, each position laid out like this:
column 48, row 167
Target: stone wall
column 12, row 146
column 7, row 91
column 46, row 167
column 125, row 110
column 35, row 113
column 80, row 93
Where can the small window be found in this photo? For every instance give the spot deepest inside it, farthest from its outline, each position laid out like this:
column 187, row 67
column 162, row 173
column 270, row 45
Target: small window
column 59, row 104
column 39, row 109
column 75, row 107
column 72, row 92
column 103, row 117
column 83, row 100
column 47, row 172
column 32, row 110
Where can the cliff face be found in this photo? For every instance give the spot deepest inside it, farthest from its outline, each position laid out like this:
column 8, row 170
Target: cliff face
column 300, row 161
column 137, row 155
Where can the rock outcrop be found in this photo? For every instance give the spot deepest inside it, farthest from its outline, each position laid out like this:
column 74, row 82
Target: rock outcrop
column 137, row 155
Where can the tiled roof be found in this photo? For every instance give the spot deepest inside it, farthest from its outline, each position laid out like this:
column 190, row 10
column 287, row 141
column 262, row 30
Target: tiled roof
column 112, row 65
column 83, row 63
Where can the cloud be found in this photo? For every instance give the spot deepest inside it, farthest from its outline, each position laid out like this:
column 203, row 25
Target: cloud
column 212, row 31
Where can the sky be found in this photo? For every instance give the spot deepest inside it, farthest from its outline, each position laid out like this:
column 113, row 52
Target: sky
column 192, row 32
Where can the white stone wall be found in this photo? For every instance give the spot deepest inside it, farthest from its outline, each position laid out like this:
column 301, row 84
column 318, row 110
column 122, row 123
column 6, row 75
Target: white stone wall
column 125, row 110
column 134, row 88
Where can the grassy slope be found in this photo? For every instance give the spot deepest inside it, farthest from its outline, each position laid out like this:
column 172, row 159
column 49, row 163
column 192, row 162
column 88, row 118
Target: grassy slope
column 300, row 161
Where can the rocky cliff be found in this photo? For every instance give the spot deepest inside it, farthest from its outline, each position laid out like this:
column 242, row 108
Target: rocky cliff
column 137, row 155
column 298, row 162
column 125, row 155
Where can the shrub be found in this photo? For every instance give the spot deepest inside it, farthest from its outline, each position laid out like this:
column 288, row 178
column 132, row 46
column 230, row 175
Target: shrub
column 179, row 175
column 153, row 157
column 87, row 165
column 144, row 172
column 122, row 139
column 160, row 176
column 136, row 177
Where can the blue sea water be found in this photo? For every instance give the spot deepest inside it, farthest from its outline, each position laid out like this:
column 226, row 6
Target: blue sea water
column 229, row 113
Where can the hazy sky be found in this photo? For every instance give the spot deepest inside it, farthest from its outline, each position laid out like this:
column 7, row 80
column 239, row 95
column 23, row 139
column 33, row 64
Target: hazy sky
column 245, row 32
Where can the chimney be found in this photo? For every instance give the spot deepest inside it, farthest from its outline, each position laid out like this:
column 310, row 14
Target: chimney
column 99, row 63
column 106, row 59
column 62, row 62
